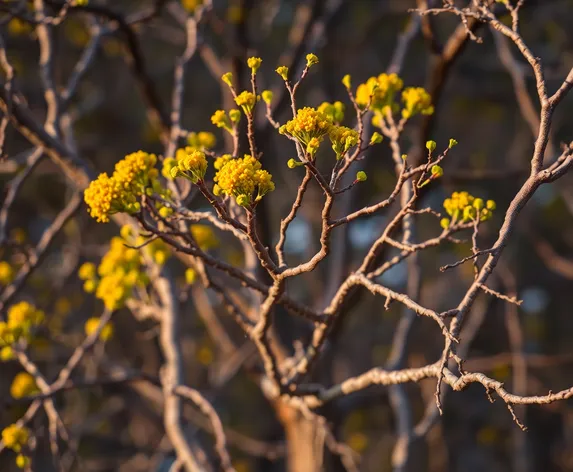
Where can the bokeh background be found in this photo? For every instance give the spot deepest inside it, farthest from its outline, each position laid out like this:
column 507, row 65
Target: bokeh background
column 529, row 348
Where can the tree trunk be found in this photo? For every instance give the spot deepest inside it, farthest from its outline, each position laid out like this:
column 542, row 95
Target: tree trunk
column 304, row 440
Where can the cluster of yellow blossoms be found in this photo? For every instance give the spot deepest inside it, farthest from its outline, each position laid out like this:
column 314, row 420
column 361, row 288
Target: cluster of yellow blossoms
column 22, row 318
column 309, row 123
column 334, row 111
column 92, row 325
column 342, row 139
column 121, row 268
column 462, row 206
column 380, row 92
column 226, row 121
column 120, row 192
column 23, row 385
column 201, row 141
column 240, row 178
column 16, row 438
column 188, row 163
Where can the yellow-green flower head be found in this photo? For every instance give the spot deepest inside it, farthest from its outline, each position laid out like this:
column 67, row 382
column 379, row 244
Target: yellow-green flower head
column 246, row 100
column 267, row 96
column 381, row 90
column 201, row 141
column 254, row 63
column 204, row 236
column 465, row 207
column 283, row 72
column 416, row 100
column 235, row 115
column 241, row 177
column 6, row 273
column 312, row 146
column 376, row 138
column 91, row 327
column 23, row 385
column 113, row 291
column 347, row 81
column 221, row 120
column 15, row 437
column 311, row 60
column 309, row 123
column 192, row 164
column 228, row 78
column 342, row 139
column 335, row 111
column 361, row 176
column 170, row 170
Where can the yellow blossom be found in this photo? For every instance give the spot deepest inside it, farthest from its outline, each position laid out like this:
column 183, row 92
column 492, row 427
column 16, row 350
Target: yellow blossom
column 241, row 177
column 23, row 385
column 311, row 59
column 283, row 72
column 379, row 92
column 309, row 123
column 416, row 100
column 342, row 139
column 465, row 207
column 92, row 325
column 254, row 63
column 221, row 120
column 247, row 101
column 335, row 111
column 6, row 273
column 204, row 236
column 201, row 141
column 191, row 164
column 15, row 437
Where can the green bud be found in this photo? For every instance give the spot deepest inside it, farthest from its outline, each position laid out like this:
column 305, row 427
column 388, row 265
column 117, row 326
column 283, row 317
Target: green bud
column 361, row 176
column 445, row 223
column 292, row 163
column 478, row 203
column 491, row 205
column 235, row 115
column 452, row 143
column 437, row 171
column 376, row 138
column 347, row 81
column 267, row 96
column 431, row 145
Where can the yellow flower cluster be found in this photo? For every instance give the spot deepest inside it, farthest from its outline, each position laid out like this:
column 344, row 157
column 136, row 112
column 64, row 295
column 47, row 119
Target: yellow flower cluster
column 121, row 268
column 204, row 236
column 221, row 120
column 334, row 111
column 309, row 123
column 416, row 100
column 22, row 318
column 120, row 192
column 23, row 385
column 342, row 139
column 465, row 207
column 15, row 437
column 201, row 141
column 91, row 327
column 188, row 163
column 247, row 101
column 241, row 177
column 379, row 92
column 6, row 273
